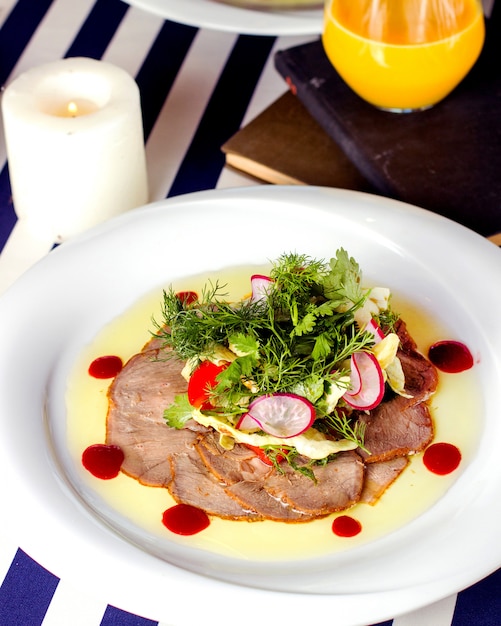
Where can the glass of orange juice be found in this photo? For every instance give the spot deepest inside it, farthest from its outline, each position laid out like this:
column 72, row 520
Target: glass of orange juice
column 403, row 55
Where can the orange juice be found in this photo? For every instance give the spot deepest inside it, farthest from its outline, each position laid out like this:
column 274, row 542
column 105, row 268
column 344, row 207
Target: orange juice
column 403, row 55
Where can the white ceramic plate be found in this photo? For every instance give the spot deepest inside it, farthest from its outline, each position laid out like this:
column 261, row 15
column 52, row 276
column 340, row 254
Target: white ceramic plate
column 219, row 16
column 65, row 300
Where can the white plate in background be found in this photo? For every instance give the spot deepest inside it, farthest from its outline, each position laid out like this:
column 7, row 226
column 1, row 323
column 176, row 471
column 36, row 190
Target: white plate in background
column 220, row 16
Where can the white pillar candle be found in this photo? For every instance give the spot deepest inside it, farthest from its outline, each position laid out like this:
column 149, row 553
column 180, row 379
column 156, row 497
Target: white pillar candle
column 75, row 145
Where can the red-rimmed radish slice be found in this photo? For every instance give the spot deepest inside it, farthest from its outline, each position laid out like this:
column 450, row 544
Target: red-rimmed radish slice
column 260, row 286
column 373, row 328
column 282, row 415
column 247, row 422
column 367, row 382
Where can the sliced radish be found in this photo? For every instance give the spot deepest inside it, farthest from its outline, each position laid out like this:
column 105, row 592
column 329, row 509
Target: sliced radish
column 282, row 415
column 261, row 286
column 367, row 382
column 373, row 328
column 247, row 422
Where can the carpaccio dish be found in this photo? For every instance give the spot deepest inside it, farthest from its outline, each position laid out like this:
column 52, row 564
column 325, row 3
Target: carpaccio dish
column 298, row 402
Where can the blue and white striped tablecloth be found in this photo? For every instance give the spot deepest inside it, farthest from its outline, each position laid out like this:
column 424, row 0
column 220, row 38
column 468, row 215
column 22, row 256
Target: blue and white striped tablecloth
column 198, row 86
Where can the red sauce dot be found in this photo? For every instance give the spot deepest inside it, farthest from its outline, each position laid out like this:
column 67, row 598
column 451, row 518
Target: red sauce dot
column 184, row 519
column 346, row 526
column 103, row 461
column 442, row 458
column 105, row 366
column 187, row 297
column 450, row 356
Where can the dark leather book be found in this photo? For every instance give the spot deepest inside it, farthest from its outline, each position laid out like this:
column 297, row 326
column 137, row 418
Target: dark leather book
column 284, row 145
column 446, row 159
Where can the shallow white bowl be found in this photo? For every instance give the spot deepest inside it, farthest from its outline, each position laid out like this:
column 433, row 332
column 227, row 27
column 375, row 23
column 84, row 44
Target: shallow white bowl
column 65, row 300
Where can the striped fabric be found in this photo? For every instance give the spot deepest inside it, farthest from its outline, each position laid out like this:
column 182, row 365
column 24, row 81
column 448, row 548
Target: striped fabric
column 198, row 86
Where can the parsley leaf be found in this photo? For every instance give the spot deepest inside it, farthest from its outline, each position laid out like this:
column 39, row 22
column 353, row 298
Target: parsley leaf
column 179, row 412
column 343, row 282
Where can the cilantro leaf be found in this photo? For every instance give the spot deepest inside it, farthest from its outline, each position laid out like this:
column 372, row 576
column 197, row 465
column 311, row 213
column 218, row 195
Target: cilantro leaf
column 179, row 412
column 306, row 325
column 343, row 281
column 322, row 347
column 242, row 344
column 311, row 388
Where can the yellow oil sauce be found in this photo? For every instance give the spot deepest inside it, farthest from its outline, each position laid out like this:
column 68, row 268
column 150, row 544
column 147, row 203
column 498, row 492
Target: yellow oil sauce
column 456, row 408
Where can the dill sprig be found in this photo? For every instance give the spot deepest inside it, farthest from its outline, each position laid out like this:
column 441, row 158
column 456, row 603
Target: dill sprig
column 387, row 319
column 339, row 421
column 193, row 329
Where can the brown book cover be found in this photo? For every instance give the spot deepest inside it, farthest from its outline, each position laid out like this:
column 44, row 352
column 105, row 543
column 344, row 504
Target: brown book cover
column 284, row 145
column 446, row 159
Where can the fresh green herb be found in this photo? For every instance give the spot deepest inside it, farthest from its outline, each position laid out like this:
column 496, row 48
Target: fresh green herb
column 387, row 319
column 194, row 329
column 296, row 340
column 277, row 454
column 179, row 412
column 339, row 422
column 343, row 281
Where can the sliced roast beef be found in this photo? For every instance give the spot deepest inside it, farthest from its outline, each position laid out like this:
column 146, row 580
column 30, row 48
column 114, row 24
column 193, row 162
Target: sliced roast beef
column 288, row 495
column 231, row 466
column 138, row 396
column 249, row 492
column 235, row 484
column 338, row 485
column 194, row 484
column 400, row 426
column 421, row 377
column 379, row 476
column 245, row 476
column 395, row 428
column 407, row 342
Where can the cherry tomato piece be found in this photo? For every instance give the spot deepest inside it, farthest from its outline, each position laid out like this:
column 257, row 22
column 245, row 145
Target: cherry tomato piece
column 202, row 381
column 187, row 297
column 261, row 454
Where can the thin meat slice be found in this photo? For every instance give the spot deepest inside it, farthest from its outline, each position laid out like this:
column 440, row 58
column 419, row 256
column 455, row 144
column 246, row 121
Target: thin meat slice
column 245, row 474
column 338, row 485
column 421, row 376
column 395, row 428
column 379, row 476
column 407, row 341
column 192, row 483
column 231, row 466
column 400, row 426
column 251, row 492
column 236, row 484
column 147, row 384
